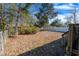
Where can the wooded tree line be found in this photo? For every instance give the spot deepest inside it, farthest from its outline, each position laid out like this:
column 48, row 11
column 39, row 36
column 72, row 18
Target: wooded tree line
column 14, row 15
column 11, row 14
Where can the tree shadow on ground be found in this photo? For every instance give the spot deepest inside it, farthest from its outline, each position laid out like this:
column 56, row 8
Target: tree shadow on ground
column 54, row 48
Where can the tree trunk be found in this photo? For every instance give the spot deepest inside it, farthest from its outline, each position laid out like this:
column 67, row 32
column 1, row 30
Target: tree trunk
column 16, row 24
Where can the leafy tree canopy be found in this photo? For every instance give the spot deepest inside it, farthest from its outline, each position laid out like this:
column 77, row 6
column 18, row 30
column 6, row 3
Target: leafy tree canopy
column 46, row 12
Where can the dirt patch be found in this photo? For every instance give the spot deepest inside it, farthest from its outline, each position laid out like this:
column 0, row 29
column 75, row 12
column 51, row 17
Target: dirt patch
column 25, row 43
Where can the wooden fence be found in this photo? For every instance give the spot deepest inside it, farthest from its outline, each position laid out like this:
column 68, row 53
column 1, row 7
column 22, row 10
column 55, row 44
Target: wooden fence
column 73, row 42
column 73, row 39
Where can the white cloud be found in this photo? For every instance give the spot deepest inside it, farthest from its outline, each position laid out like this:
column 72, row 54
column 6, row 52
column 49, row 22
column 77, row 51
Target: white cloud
column 68, row 6
column 77, row 16
column 61, row 17
column 71, row 4
column 65, row 7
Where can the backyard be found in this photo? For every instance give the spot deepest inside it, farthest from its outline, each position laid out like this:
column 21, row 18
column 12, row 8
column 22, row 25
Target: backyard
column 35, row 29
column 25, row 43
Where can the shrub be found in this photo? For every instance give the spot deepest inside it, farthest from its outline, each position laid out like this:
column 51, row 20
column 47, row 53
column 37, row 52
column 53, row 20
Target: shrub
column 11, row 31
column 29, row 29
column 2, row 25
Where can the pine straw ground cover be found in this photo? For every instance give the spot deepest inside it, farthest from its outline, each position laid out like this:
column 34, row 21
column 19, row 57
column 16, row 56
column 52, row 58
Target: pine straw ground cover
column 23, row 43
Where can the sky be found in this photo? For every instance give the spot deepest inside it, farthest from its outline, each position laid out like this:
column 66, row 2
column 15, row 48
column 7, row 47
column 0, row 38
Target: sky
column 63, row 9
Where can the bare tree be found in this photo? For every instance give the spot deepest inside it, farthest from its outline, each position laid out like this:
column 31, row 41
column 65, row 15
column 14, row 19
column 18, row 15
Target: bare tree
column 69, row 20
column 73, row 17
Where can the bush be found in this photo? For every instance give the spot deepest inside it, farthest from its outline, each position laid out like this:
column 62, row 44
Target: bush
column 29, row 29
column 2, row 25
column 11, row 31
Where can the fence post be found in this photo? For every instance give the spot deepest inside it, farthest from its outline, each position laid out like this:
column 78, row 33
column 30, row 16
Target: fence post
column 70, row 38
column 5, row 34
column 1, row 43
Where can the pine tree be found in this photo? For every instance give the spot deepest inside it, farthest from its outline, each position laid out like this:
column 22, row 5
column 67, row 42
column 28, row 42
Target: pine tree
column 46, row 12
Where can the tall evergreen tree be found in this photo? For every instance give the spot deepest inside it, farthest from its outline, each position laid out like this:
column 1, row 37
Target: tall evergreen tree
column 46, row 12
